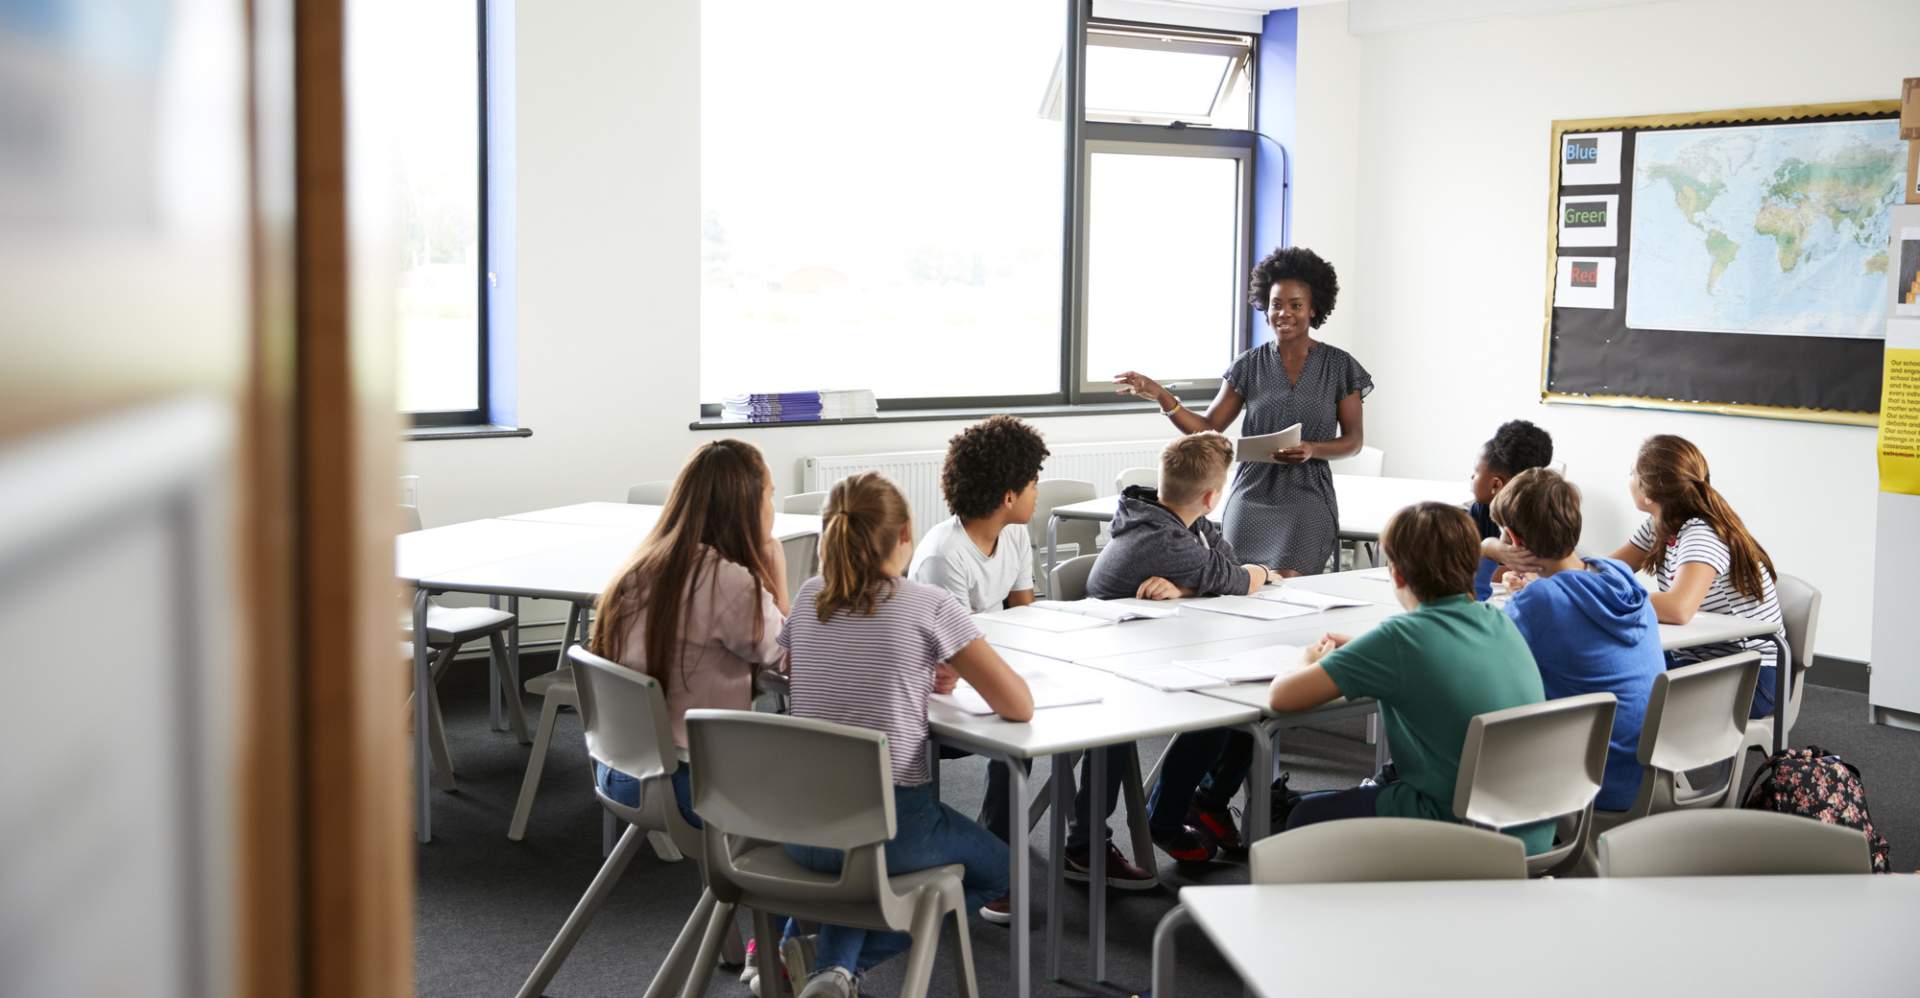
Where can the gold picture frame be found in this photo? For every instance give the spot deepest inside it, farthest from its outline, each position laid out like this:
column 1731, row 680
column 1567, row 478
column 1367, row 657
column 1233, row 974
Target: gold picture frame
column 1788, row 112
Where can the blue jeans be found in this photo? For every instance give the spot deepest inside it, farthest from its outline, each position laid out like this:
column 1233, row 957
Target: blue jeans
column 1209, row 765
column 626, row 789
column 1333, row 805
column 926, row 833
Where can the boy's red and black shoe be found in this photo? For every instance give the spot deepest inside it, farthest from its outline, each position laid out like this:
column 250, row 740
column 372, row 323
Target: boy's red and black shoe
column 1219, row 823
column 1187, row 845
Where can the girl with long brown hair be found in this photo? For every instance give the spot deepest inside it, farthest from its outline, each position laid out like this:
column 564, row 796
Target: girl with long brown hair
column 866, row 646
column 1700, row 554
column 701, row 603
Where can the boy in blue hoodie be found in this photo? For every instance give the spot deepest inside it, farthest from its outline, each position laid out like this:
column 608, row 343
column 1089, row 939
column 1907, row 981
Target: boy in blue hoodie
column 1516, row 446
column 1164, row 547
column 1588, row 621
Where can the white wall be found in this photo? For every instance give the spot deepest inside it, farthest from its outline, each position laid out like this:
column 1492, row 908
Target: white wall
column 1444, row 134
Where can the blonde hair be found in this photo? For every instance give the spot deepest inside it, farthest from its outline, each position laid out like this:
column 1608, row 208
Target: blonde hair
column 1543, row 509
column 1673, row 473
column 715, row 503
column 862, row 524
column 1192, row 464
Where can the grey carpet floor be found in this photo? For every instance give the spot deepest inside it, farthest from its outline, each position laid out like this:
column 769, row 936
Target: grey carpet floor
column 486, row 907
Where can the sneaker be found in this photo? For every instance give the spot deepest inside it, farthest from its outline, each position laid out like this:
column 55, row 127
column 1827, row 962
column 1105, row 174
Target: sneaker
column 998, row 912
column 1284, row 798
column 1219, row 823
column 1120, row 872
column 1188, row 845
column 797, row 956
column 752, row 969
column 833, row 982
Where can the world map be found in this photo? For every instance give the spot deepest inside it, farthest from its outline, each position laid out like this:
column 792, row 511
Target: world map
column 1778, row 229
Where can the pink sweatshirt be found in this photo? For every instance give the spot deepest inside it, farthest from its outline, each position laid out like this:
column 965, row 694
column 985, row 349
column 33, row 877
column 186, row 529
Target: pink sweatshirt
column 718, row 652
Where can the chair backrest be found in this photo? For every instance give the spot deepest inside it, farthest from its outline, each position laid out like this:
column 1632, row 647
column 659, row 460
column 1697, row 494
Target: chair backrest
column 1386, row 849
column 804, row 503
column 624, row 713
column 1720, row 842
column 1697, row 715
column 1136, row 476
column 1532, row 763
column 409, row 518
column 649, row 493
column 745, row 779
column 1368, row 461
column 1055, row 492
column 1800, row 610
column 1069, row 578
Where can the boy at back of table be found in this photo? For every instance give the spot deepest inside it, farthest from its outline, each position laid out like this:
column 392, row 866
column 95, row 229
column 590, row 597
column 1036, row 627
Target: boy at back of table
column 1432, row 669
column 983, row 556
column 1590, row 625
column 1165, row 546
column 1516, row 446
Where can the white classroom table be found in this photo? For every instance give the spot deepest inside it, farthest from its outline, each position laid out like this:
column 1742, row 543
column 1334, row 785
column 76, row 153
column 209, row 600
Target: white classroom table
column 1127, row 712
column 1651, row 937
column 567, row 553
column 1366, row 503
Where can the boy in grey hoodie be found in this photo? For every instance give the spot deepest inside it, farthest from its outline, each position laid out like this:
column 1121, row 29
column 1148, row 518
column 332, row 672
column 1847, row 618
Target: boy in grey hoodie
column 1165, row 547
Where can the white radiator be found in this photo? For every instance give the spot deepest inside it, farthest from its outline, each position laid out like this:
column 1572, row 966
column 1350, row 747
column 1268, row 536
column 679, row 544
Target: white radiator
column 917, row 473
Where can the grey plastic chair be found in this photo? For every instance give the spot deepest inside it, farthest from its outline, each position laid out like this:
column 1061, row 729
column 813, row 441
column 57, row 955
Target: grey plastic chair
column 450, row 628
column 1800, row 612
column 1377, row 849
column 1071, row 537
column 1540, row 762
column 1136, row 476
column 804, row 503
column 649, row 493
column 624, row 714
column 1731, row 842
column 803, row 553
column 1069, row 579
column 750, row 803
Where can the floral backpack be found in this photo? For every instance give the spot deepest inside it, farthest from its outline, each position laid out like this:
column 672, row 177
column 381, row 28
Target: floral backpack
column 1814, row 783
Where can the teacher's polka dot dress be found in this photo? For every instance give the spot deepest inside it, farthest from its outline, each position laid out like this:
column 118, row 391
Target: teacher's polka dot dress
column 1285, row 515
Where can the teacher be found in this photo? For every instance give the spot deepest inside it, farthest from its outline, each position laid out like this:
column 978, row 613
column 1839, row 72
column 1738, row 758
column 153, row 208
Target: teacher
column 1284, row 514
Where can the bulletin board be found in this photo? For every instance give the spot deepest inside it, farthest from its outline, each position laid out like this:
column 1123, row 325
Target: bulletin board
column 1761, row 244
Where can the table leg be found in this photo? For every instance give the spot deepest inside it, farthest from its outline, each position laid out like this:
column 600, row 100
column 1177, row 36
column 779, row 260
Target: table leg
column 1022, row 908
column 1097, row 864
column 513, row 646
column 1053, row 546
column 1056, row 865
column 1782, row 677
column 422, row 690
column 1163, row 950
column 1382, row 750
column 495, row 719
column 1260, row 782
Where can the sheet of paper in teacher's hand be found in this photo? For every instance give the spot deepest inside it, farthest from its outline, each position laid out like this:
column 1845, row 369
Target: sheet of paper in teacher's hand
column 1261, row 448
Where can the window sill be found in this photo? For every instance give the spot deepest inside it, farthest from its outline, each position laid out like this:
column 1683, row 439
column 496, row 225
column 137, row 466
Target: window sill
column 472, row 432
column 944, row 415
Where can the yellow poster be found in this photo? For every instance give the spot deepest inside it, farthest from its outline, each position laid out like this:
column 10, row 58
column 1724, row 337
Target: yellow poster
column 1900, row 422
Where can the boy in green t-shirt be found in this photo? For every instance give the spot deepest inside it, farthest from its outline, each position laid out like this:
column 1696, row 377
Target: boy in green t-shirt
column 1432, row 669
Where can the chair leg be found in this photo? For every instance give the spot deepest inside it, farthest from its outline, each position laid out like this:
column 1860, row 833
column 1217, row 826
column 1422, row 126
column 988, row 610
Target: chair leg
column 918, row 975
column 664, row 848
column 536, row 762
column 733, row 952
column 701, row 973
column 968, row 985
column 583, row 913
column 1041, row 801
column 1136, row 795
column 767, row 954
column 437, row 741
column 674, row 970
column 510, row 687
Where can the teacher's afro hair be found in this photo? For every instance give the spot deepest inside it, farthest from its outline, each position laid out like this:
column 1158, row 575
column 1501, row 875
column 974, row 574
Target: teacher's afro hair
column 986, row 461
column 1294, row 263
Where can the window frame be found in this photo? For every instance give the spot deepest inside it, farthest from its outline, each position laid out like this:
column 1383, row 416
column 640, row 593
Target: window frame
column 478, row 416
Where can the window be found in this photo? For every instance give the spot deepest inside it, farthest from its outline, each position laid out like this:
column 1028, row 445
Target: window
column 440, row 135
column 900, row 199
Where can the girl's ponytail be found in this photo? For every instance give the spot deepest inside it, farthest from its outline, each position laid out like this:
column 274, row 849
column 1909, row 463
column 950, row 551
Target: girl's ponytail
column 861, row 525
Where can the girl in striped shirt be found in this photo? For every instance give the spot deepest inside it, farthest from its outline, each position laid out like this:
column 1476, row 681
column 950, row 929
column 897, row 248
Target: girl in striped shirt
column 1700, row 555
column 865, row 647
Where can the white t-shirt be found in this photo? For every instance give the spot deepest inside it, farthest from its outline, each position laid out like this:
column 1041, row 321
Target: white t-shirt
column 949, row 559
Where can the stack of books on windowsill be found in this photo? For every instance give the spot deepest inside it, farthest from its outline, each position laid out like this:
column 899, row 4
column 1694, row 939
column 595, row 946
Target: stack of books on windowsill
column 799, row 407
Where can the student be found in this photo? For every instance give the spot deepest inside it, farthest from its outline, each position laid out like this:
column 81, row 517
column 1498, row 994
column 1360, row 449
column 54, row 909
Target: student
column 983, row 556
column 1516, row 446
column 1164, row 546
column 1432, row 669
column 864, row 645
column 1588, row 622
column 1700, row 554
column 704, row 639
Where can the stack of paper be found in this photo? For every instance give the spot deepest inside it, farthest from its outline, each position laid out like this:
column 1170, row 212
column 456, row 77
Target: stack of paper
column 1046, row 693
column 1308, row 598
column 1043, row 619
column 1247, row 606
column 789, row 407
column 1261, row 448
column 1111, row 611
column 1253, row 665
